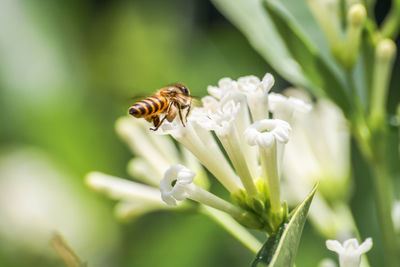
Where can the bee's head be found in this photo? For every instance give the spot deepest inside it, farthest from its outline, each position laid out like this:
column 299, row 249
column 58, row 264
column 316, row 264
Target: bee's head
column 184, row 90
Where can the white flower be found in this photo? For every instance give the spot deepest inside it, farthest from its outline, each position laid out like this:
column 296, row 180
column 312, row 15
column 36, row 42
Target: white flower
column 225, row 87
column 322, row 139
column 141, row 170
column 221, row 120
column 396, row 215
column 350, row 252
column 135, row 199
column 154, row 155
column 158, row 153
column 210, row 103
column 327, row 263
column 202, row 144
column 175, row 184
column 265, row 133
column 257, row 94
column 284, row 107
column 122, row 189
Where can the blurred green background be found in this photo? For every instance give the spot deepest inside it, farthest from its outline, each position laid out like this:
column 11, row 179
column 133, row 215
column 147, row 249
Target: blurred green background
column 67, row 72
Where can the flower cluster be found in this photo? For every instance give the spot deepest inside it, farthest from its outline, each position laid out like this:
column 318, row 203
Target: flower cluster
column 250, row 124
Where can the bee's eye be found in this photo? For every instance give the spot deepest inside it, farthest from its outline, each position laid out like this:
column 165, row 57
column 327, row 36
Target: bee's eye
column 184, row 90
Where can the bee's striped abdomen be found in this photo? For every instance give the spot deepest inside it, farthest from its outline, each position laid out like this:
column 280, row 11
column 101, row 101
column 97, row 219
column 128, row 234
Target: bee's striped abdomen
column 150, row 106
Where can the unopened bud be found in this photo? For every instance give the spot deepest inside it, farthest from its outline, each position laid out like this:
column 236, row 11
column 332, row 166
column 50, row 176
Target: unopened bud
column 386, row 49
column 357, row 14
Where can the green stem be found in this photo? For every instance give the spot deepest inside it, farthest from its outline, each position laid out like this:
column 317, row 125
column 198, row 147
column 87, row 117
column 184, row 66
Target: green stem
column 391, row 24
column 269, row 166
column 383, row 197
column 371, row 142
column 373, row 149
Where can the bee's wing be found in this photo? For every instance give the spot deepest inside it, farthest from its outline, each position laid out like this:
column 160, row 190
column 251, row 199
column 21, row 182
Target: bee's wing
column 138, row 97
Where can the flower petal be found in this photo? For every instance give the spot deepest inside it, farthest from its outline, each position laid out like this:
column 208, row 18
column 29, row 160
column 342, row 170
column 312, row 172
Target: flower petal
column 365, row 246
column 334, row 245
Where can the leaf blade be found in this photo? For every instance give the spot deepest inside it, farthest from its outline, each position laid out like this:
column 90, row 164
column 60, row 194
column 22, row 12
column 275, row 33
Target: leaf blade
column 280, row 249
column 320, row 71
column 249, row 17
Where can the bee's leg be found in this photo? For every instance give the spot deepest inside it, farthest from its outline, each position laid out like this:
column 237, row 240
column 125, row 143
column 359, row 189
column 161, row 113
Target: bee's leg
column 156, row 121
column 180, row 113
column 155, row 128
column 188, row 111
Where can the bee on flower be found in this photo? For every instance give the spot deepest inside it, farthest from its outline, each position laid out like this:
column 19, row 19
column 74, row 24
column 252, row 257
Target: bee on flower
column 253, row 135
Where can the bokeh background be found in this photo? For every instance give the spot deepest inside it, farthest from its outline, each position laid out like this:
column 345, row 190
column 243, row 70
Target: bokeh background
column 67, row 71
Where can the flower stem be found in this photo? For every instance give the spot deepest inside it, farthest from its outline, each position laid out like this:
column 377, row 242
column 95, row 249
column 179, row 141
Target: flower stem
column 391, row 23
column 270, row 170
column 234, row 228
column 374, row 151
column 351, row 48
column 203, row 196
column 383, row 198
column 384, row 58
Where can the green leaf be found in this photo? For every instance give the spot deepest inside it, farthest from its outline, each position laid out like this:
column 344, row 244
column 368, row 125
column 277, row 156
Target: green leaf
column 290, row 50
column 250, row 17
column 319, row 71
column 280, row 248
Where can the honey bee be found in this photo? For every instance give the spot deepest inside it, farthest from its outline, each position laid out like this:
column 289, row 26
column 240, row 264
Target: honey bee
column 170, row 100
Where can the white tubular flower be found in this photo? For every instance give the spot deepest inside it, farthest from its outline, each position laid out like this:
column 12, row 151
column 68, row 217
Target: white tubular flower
column 177, row 184
column 210, row 103
column 225, row 87
column 127, row 211
column 396, row 215
column 350, row 252
column 139, row 169
column 222, row 122
column 266, row 134
column 141, row 143
column 202, row 144
column 284, row 107
column 241, row 122
column 321, row 137
column 135, row 199
column 327, row 263
column 121, row 189
column 257, row 94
